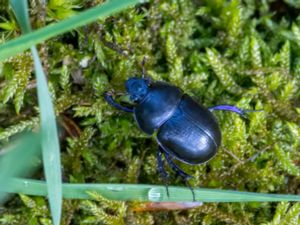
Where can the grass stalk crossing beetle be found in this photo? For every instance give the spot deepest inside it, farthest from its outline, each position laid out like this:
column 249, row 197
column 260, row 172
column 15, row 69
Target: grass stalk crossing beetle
column 186, row 130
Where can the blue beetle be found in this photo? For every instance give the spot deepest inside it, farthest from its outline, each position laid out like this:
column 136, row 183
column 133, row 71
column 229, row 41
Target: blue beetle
column 186, row 130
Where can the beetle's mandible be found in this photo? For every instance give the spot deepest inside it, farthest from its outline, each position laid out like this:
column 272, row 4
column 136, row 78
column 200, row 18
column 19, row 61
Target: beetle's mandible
column 186, row 130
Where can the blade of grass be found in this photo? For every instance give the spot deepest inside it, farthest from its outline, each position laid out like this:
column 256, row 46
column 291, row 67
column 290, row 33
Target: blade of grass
column 139, row 192
column 20, row 9
column 16, row 159
column 24, row 42
column 50, row 143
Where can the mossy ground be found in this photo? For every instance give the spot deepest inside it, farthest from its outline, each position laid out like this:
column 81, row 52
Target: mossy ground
column 245, row 53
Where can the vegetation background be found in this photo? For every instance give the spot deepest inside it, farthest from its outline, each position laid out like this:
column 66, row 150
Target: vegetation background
column 244, row 53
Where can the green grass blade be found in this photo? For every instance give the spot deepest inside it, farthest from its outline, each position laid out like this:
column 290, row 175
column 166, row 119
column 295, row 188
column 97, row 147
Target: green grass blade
column 20, row 9
column 50, row 143
column 24, row 42
column 16, row 158
column 133, row 192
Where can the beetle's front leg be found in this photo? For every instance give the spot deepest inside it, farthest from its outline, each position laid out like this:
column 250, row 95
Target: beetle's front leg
column 161, row 169
column 232, row 108
column 108, row 96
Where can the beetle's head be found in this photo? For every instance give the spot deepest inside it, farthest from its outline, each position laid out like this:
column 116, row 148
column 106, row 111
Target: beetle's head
column 137, row 88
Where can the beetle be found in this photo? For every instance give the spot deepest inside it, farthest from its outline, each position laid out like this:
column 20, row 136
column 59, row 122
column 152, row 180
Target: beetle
column 185, row 130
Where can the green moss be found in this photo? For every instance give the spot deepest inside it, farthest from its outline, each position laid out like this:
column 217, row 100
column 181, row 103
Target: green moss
column 235, row 52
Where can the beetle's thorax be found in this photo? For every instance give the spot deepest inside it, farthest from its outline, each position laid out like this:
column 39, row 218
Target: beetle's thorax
column 137, row 88
column 157, row 106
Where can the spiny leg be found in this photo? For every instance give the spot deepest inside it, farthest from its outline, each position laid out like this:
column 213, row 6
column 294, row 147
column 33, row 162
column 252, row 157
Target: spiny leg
column 108, row 97
column 180, row 173
column 161, row 170
column 232, row 108
column 176, row 168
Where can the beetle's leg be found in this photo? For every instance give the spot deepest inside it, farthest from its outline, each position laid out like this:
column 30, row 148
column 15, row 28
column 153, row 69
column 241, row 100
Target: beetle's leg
column 232, row 108
column 161, row 169
column 108, row 97
column 176, row 168
column 181, row 173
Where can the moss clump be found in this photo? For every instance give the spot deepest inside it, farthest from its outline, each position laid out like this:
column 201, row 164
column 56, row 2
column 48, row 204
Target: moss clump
column 244, row 53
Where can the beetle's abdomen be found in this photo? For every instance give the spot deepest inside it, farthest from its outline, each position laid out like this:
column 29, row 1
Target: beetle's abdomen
column 192, row 134
column 157, row 107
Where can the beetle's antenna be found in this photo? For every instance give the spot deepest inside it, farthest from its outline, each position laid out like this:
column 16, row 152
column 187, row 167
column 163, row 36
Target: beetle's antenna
column 143, row 66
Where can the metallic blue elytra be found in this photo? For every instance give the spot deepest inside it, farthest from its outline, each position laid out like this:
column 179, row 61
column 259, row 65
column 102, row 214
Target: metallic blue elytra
column 191, row 134
column 186, row 130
